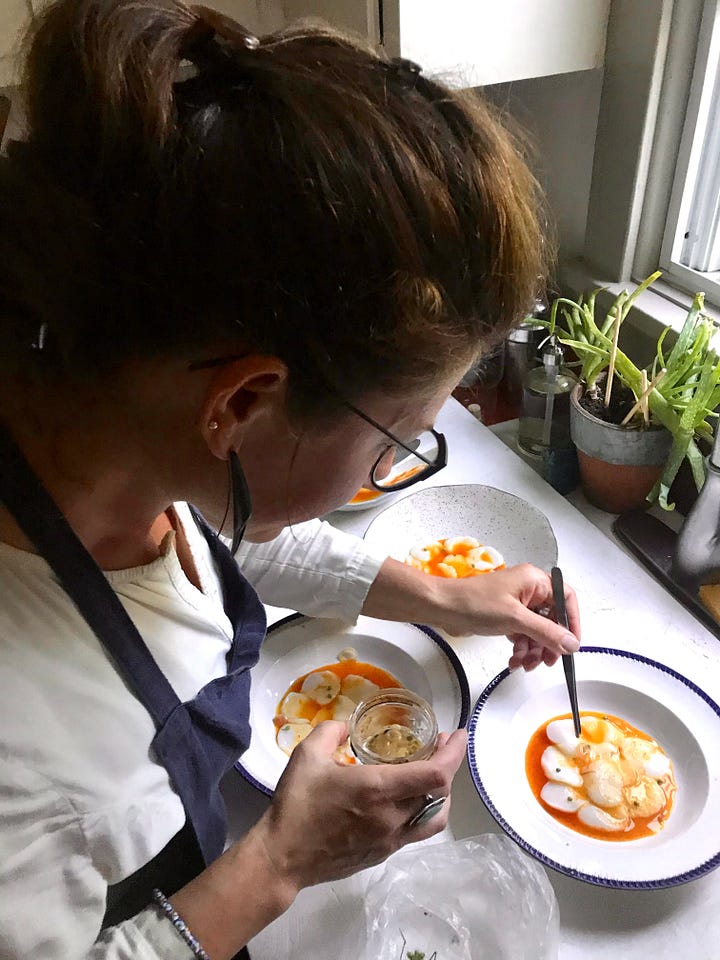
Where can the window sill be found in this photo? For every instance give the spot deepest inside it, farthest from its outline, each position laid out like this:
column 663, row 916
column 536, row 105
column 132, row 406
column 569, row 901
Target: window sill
column 661, row 306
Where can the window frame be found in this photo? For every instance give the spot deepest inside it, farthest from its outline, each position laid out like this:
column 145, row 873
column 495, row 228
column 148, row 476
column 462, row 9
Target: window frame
column 701, row 98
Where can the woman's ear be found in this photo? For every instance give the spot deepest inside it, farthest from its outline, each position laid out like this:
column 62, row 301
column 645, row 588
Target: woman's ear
column 237, row 394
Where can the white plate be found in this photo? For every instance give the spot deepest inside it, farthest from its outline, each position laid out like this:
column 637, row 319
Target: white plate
column 416, row 656
column 668, row 707
column 513, row 526
column 381, row 498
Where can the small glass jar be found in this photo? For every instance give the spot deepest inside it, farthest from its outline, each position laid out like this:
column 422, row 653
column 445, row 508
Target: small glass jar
column 394, row 726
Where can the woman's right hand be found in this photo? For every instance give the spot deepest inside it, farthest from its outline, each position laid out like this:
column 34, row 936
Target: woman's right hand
column 328, row 821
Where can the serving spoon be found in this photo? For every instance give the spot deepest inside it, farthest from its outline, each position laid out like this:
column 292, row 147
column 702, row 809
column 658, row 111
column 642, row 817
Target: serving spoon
column 561, row 616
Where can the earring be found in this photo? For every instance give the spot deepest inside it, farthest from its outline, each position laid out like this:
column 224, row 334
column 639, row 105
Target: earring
column 213, row 425
column 240, row 499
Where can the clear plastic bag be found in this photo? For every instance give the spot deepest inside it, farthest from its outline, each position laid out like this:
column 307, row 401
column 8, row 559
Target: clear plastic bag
column 475, row 899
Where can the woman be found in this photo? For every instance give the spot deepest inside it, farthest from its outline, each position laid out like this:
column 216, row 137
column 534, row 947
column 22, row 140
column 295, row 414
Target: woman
column 233, row 274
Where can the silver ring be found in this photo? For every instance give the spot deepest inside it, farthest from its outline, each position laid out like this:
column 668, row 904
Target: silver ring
column 431, row 807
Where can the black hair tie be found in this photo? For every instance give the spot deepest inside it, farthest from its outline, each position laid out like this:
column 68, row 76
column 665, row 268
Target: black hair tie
column 215, row 40
column 405, row 70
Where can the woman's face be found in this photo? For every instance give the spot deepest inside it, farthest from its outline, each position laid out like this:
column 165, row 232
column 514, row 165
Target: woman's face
column 296, row 476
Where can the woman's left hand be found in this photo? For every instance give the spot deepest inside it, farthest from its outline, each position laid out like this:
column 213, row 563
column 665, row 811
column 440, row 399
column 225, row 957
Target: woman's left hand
column 517, row 602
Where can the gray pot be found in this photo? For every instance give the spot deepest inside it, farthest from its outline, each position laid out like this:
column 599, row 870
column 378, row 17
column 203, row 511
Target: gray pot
column 619, row 466
column 611, row 443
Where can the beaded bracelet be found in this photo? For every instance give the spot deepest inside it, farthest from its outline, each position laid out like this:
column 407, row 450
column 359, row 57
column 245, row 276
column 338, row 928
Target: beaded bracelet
column 164, row 906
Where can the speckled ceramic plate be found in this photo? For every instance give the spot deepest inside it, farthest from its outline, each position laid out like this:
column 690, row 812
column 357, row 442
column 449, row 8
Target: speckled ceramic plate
column 683, row 719
column 416, row 656
column 513, row 526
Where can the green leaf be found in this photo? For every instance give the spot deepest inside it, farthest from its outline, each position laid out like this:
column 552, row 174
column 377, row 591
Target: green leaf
column 682, row 344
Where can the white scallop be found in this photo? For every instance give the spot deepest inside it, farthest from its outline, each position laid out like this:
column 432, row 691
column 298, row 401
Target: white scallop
column 421, row 553
column 292, row 733
column 604, row 784
column 556, row 766
column 645, row 756
column 606, row 751
column 453, row 544
column 598, row 729
column 480, row 562
column 349, row 653
column 657, row 765
column 598, row 819
column 646, row 798
column 295, row 705
column 358, row 688
column 561, row 797
column 322, row 686
column 562, row 734
column 342, row 708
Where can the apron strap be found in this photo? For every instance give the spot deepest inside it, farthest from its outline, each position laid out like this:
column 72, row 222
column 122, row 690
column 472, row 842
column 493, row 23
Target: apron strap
column 43, row 523
column 240, row 600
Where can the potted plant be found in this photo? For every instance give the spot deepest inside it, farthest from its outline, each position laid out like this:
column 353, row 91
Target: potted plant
column 634, row 427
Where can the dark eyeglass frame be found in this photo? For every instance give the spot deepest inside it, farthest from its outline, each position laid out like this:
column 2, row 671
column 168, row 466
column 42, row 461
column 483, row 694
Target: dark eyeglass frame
column 431, row 466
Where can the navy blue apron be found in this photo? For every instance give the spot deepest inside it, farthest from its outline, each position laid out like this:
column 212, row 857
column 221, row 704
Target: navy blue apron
column 197, row 741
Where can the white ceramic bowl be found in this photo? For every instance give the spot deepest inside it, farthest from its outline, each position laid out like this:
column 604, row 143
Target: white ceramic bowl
column 652, row 697
column 513, row 526
column 382, row 498
column 416, row 656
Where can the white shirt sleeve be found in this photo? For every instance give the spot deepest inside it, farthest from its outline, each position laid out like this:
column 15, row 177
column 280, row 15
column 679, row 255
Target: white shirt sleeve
column 314, row 569
column 52, row 897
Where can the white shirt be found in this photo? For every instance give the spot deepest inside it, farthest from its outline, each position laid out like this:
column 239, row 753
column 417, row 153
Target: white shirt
column 82, row 803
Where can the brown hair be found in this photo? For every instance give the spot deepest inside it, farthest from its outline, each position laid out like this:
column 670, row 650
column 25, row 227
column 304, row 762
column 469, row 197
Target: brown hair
column 182, row 186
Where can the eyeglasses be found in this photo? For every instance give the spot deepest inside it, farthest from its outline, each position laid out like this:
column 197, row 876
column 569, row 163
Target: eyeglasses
column 417, row 450
column 430, row 441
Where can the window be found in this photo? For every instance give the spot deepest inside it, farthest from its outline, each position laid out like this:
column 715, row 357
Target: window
column 690, row 254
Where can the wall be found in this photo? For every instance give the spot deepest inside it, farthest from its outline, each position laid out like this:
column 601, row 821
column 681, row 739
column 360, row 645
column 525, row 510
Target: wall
column 560, row 113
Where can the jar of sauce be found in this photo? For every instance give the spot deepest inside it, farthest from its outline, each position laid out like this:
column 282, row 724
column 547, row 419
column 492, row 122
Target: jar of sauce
column 394, row 726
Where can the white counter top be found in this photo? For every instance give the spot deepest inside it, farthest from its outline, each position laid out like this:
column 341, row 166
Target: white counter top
column 622, row 606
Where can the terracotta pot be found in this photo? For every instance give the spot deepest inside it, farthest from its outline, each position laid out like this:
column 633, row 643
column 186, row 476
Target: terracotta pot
column 618, row 465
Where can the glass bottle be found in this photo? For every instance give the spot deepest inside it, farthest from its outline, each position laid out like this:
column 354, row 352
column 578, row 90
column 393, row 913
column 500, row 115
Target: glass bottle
column 544, row 426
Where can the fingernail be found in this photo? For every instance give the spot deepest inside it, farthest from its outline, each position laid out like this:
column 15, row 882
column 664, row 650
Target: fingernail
column 570, row 644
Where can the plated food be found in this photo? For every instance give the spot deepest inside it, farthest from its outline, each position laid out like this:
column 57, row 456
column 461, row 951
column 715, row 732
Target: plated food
column 517, row 530
column 328, row 692
column 670, row 730
column 455, row 557
column 415, row 657
column 613, row 782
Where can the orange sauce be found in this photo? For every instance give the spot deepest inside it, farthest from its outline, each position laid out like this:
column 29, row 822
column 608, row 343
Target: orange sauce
column 342, row 668
column 365, row 493
column 439, row 555
column 639, row 826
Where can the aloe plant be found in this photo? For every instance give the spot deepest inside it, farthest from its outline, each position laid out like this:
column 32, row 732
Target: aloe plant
column 684, row 401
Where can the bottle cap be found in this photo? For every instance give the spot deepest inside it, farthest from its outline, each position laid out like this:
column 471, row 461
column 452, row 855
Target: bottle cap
column 525, row 332
column 552, row 355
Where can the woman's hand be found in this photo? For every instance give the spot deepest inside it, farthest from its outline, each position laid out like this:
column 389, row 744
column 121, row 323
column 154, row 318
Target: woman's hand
column 328, row 821
column 516, row 602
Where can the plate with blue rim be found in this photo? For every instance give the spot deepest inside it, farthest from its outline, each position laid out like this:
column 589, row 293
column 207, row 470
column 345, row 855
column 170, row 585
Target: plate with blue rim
column 417, row 657
column 674, row 711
